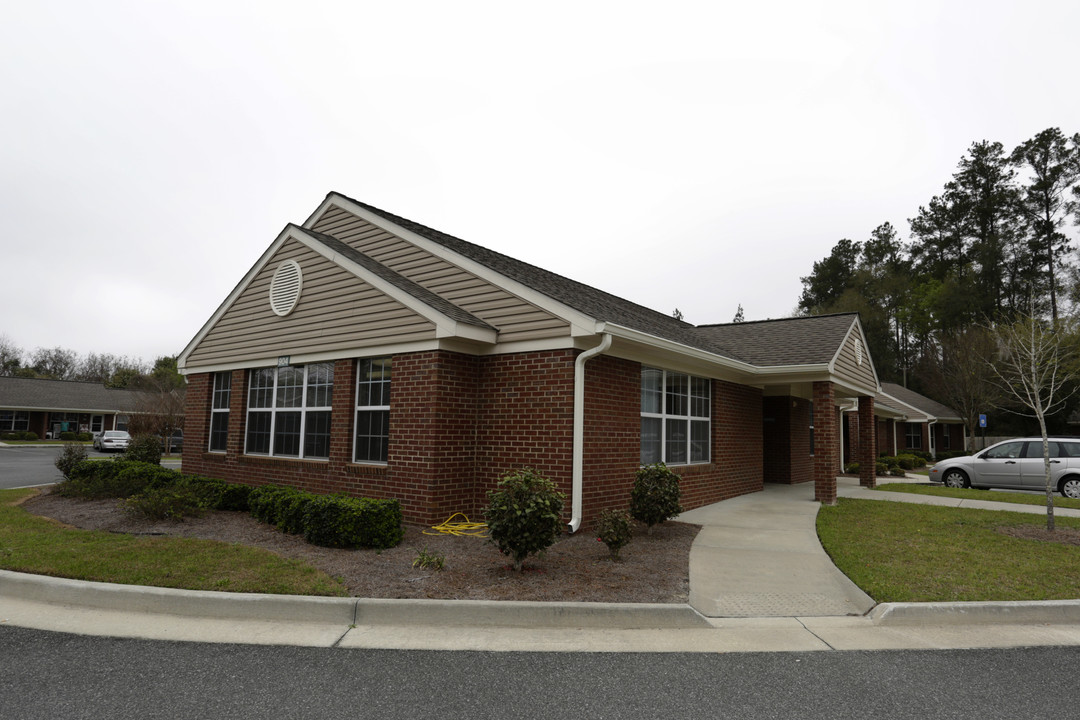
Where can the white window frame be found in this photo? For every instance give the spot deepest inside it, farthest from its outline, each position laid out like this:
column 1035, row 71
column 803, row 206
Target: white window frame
column 97, row 423
column 908, row 435
column 218, row 409
column 15, row 418
column 358, row 408
column 275, row 409
column 689, row 417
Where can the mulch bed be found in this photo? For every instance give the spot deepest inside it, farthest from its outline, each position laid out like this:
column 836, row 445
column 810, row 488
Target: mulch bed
column 652, row 568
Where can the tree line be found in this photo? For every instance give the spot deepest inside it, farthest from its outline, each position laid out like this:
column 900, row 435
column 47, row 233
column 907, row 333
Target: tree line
column 996, row 244
column 114, row 371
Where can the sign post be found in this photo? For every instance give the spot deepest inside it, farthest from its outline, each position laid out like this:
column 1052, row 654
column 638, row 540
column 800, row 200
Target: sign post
column 982, row 424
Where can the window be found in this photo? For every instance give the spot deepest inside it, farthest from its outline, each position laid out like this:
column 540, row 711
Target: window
column 219, row 412
column 14, row 420
column 97, row 422
column 946, row 437
column 122, row 422
column 372, row 441
column 913, row 435
column 675, row 411
column 1007, row 450
column 289, row 411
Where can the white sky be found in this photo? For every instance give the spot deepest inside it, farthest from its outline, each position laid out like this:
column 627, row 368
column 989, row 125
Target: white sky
column 696, row 155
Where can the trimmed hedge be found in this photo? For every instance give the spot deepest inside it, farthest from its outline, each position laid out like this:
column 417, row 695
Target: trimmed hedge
column 329, row 520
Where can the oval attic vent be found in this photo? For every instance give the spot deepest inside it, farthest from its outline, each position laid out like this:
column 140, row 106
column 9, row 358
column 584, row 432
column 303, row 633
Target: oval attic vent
column 285, row 288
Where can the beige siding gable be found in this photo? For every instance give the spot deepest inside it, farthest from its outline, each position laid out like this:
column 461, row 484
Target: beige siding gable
column 515, row 318
column 336, row 311
column 847, row 365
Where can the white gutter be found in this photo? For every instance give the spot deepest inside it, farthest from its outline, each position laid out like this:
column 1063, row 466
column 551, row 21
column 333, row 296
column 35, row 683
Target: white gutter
column 579, row 428
column 930, row 437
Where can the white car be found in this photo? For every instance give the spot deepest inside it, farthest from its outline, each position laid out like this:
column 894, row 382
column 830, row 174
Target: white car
column 112, row 441
column 1016, row 464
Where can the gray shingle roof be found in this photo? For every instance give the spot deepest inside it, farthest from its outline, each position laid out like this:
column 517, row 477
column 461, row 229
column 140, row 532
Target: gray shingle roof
column 66, row 395
column 791, row 341
column 398, row 280
column 920, row 402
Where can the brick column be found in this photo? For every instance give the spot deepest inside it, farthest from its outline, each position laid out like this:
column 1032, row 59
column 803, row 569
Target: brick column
column 826, row 443
column 867, row 443
column 234, row 446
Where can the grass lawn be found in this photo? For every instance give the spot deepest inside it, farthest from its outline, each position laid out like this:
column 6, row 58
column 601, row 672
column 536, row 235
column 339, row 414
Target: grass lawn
column 900, row 552
column 36, row 545
column 969, row 494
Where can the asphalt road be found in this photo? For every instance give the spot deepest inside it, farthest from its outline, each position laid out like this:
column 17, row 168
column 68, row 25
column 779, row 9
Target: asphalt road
column 51, row 675
column 32, row 465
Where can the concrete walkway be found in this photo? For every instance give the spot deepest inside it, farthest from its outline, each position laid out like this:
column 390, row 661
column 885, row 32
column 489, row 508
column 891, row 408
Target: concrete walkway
column 759, row 581
column 758, row 555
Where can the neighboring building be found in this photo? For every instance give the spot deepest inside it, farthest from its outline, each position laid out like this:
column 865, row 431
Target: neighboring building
column 365, row 353
column 49, row 407
column 926, row 425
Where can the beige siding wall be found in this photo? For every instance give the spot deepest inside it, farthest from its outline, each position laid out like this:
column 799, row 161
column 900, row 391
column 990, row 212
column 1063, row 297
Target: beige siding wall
column 515, row 319
column 336, row 311
column 848, row 367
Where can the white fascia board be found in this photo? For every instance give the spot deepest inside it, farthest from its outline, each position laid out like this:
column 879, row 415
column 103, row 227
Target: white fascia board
column 81, row 411
column 580, row 323
column 308, row 358
column 181, row 360
column 916, row 415
column 445, row 326
column 637, row 336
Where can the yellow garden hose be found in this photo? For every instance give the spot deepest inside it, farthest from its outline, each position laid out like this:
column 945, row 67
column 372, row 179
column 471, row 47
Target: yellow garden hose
column 463, row 527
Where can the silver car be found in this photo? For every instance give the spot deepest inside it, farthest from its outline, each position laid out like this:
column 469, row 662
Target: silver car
column 1015, row 464
column 112, row 441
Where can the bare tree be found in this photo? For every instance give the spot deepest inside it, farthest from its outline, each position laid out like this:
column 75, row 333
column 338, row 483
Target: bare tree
column 57, row 363
column 159, row 410
column 1037, row 366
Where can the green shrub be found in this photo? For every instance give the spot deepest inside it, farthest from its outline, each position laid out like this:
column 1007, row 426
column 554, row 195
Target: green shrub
column 119, row 478
column 897, row 472
column 523, row 515
column 223, row 495
column 144, row 448
column 348, row 522
column 280, row 506
column 85, row 437
column 655, row 497
column 613, row 528
column 30, row 436
column 170, row 502
column 68, row 436
column 852, row 468
column 69, row 457
column 881, row 468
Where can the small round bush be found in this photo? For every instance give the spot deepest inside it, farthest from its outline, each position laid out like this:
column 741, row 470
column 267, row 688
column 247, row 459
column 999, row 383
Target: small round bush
column 68, row 436
column 144, row 448
column 852, row 468
column 614, row 530
column 897, row 472
column 524, row 515
column 31, row 436
column 881, row 468
column 84, row 437
column 72, row 454
column 655, row 497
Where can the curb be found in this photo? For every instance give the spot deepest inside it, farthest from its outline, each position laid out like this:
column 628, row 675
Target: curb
column 345, row 611
column 1041, row 612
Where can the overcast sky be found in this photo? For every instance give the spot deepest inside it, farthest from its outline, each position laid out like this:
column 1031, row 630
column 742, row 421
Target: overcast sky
column 697, row 155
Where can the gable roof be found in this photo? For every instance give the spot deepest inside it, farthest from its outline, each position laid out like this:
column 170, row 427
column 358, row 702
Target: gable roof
column 920, row 403
column 67, row 395
column 810, row 340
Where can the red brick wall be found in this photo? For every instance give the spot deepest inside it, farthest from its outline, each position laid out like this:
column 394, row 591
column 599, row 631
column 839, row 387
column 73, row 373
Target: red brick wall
column 826, row 443
column 525, row 418
column 867, row 456
column 459, row 422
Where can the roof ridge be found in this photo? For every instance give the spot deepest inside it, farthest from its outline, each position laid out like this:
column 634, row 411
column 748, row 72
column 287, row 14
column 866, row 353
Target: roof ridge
column 774, row 320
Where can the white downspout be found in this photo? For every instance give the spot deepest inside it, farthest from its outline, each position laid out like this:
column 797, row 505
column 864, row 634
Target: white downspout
column 930, row 438
column 579, row 429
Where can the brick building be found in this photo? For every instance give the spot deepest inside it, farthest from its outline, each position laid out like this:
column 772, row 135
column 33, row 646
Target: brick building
column 923, row 424
column 50, row 407
column 368, row 354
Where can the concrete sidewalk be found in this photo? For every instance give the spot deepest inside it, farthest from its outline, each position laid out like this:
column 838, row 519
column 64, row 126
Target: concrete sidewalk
column 759, row 581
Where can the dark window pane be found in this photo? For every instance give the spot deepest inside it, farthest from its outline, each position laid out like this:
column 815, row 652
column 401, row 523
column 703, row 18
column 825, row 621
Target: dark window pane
column 258, row 433
column 699, row 441
column 219, row 432
column 650, row 440
column 678, row 386
column 287, row 434
column 317, row 435
column 676, row 441
column 372, row 435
